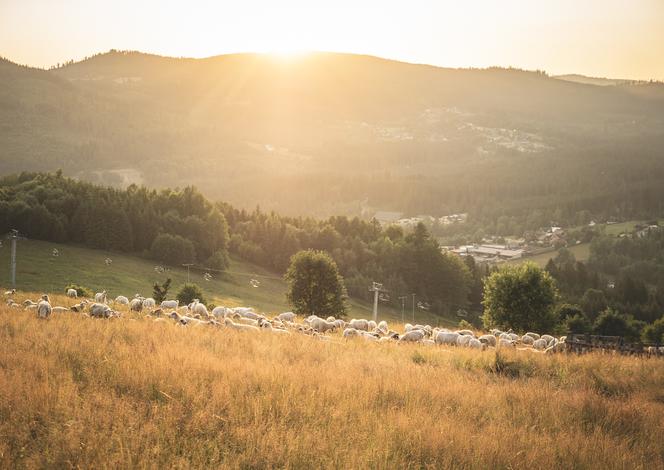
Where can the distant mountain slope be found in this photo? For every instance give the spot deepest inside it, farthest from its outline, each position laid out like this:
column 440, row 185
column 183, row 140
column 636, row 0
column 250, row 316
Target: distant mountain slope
column 332, row 133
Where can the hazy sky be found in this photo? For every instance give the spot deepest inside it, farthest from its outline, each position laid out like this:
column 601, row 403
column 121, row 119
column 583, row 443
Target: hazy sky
column 616, row 38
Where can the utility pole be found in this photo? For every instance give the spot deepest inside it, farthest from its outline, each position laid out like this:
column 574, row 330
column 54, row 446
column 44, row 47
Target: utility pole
column 13, row 236
column 376, row 287
column 403, row 307
column 413, row 307
column 188, row 265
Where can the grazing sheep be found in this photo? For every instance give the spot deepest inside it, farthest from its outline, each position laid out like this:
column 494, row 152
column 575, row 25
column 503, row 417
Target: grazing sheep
column 198, row 308
column 489, row 340
column 13, row 304
column 321, row 325
column 407, row 327
column 286, row 316
column 382, row 326
column 72, row 293
column 475, row 343
column 540, row 344
column 359, row 324
column 266, row 325
column 59, row 309
column 100, row 310
column 412, row 336
column 239, row 327
column 506, row 343
column 350, row 333
column 136, row 304
column 533, row 335
column 10, row 292
column 170, row 304
column 122, row 300
column 372, row 325
column 547, row 338
column 514, row 336
column 447, row 337
column 527, row 339
column 29, row 303
column 149, row 303
column 466, row 332
column 100, row 297
column 44, row 307
column 555, row 348
column 463, row 340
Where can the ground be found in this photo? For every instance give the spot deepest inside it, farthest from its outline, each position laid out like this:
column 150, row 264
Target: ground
column 73, row 394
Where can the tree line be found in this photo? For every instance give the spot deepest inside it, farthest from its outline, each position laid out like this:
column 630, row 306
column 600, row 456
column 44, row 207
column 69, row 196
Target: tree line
column 181, row 226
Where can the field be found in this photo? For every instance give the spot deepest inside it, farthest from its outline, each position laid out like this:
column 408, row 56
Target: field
column 581, row 252
column 73, row 394
column 38, row 270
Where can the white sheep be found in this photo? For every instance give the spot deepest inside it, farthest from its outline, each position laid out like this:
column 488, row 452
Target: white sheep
column 350, row 333
column 321, row 325
column 100, row 310
column 466, row 332
column 59, row 309
column 197, row 308
column 100, row 297
column 382, row 326
column 463, row 340
column 527, row 339
column 149, row 303
column 239, row 327
column 447, row 337
column 286, row 316
column 136, row 304
column 547, row 338
column 174, row 304
column 490, row 340
column 372, row 325
column 72, row 293
column 359, row 324
column 540, row 344
column 475, row 343
column 506, row 343
column 44, row 307
column 10, row 292
column 412, row 336
column 122, row 300
column 533, row 335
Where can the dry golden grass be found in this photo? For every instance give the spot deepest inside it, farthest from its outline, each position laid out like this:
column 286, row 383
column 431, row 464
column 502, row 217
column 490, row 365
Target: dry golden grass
column 80, row 392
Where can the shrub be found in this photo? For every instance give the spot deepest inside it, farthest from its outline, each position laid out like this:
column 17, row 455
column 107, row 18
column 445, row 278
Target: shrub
column 578, row 324
column 219, row 260
column 80, row 290
column 159, row 292
column 188, row 293
column 172, row 249
column 654, row 333
column 611, row 323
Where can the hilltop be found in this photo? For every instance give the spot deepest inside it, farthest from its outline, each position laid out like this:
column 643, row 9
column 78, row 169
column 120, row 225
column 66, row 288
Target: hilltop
column 330, row 133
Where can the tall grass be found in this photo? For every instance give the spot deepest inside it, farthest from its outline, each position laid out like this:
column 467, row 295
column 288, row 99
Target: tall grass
column 80, row 392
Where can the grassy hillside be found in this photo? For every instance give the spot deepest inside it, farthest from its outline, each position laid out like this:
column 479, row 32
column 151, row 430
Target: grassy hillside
column 73, row 394
column 39, row 270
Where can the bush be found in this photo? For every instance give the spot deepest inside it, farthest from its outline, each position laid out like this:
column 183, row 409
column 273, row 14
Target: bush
column 578, row 324
column 611, row 323
column 654, row 333
column 160, row 292
column 80, row 290
column 520, row 297
column 219, row 260
column 465, row 325
column 172, row 249
column 188, row 293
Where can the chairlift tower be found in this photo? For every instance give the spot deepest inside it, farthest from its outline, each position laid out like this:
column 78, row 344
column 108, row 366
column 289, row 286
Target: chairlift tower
column 376, row 288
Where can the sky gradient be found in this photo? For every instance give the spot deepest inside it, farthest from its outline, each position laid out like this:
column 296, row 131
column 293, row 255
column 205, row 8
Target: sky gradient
column 608, row 38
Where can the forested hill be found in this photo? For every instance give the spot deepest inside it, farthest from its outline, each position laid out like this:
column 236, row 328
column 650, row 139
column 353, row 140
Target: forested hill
column 337, row 133
column 181, row 226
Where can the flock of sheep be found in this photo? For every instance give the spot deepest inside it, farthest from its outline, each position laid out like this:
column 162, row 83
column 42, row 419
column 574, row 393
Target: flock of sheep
column 247, row 319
